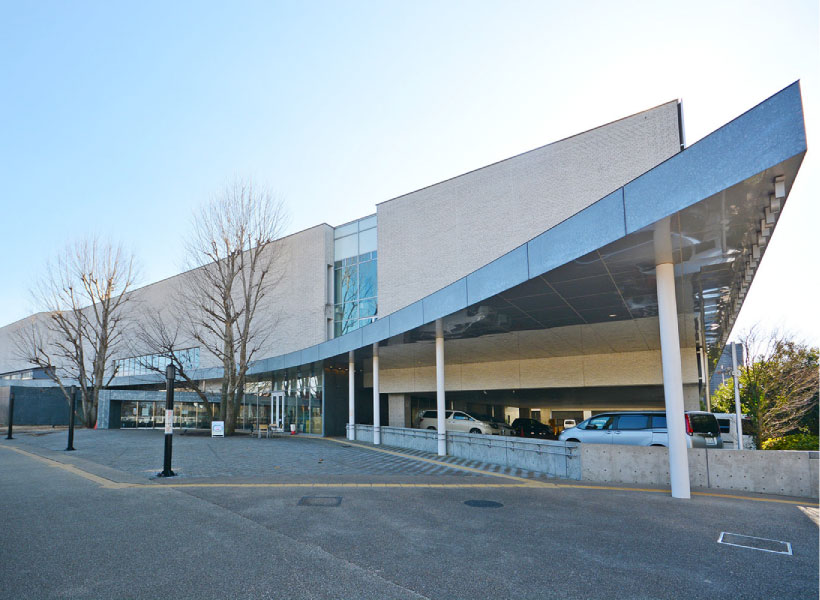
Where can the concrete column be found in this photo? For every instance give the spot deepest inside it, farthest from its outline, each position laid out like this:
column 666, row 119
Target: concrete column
column 671, row 361
column 442, row 427
column 351, row 396
column 377, row 423
column 398, row 414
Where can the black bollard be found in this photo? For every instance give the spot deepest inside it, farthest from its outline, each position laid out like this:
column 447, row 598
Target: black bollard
column 170, row 374
column 73, row 407
column 11, row 414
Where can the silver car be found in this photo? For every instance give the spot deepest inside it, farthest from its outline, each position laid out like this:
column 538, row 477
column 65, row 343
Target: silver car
column 644, row 428
column 456, row 420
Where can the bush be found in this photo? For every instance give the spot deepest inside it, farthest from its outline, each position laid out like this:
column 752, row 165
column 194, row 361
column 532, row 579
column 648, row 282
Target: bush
column 798, row 441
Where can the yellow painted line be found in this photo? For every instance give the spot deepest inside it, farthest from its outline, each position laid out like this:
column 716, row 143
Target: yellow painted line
column 523, row 481
column 330, row 485
column 102, row 481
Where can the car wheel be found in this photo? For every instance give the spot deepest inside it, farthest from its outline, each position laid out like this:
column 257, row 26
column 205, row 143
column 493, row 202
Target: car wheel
column 574, row 440
column 433, row 428
column 658, row 446
column 474, row 430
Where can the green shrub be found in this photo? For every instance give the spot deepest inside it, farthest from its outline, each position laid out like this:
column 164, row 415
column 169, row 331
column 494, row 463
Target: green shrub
column 798, row 441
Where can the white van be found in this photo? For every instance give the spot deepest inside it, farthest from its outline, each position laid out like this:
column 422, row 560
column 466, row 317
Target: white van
column 728, row 426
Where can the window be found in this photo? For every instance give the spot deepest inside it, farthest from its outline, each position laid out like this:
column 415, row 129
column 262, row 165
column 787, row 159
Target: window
column 153, row 363
column 599, row 423
column 355, row 274
column 659, row 421
column 633, row 422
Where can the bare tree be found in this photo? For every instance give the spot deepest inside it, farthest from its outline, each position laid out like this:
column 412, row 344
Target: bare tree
column 235, row 265
column 165, row 338
column 83, row 293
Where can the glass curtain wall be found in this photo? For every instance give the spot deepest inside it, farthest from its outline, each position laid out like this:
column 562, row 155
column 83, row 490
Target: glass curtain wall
column 354, row 275
column 303, row 399
column 150, row 415
column 255, row 405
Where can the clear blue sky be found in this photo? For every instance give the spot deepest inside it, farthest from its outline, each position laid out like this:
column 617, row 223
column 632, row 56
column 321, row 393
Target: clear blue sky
column 120, row 118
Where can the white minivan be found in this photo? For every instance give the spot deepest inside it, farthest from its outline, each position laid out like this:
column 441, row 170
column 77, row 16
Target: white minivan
column 456, row 420
column 728, row 428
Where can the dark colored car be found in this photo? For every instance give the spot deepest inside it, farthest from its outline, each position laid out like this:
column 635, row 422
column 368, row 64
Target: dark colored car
column 534, row 429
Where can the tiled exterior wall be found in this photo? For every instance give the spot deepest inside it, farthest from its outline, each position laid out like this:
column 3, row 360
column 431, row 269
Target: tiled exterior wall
column 434, row 236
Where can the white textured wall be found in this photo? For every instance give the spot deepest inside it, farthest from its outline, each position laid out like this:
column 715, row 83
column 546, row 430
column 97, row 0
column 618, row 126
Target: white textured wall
column 294, row 309
column 436, row 235
column 586, row 370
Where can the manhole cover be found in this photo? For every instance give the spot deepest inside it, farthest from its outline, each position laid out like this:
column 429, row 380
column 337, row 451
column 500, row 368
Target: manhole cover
column 755, row 543
column 320, row 501
column 483, row 504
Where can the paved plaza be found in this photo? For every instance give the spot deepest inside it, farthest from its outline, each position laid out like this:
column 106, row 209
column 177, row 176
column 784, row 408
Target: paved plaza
column 298, row 517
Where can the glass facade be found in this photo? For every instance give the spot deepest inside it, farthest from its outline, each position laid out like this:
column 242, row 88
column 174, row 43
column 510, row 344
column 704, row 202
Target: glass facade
column 303, row 400
column 189, row 415
column 355, row 284
column 151, row 363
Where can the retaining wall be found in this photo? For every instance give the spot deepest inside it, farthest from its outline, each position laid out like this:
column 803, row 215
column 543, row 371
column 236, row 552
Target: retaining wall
column 779, row 472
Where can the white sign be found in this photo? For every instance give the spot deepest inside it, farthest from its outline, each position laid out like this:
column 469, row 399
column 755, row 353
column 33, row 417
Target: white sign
column 169, row 421
column 217, row 428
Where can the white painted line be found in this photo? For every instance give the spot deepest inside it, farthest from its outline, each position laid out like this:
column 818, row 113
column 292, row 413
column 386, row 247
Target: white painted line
column 787, row 545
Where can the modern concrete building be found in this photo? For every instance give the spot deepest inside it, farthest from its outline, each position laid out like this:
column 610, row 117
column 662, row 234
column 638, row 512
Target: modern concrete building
column 598, row 272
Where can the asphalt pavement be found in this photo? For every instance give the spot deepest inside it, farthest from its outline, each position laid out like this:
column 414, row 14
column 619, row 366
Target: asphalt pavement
column 296, row 517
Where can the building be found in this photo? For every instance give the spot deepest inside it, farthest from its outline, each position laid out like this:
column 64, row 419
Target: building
column 597, row 272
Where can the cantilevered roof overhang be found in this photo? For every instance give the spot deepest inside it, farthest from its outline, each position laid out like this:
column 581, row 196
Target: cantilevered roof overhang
column 598, row 265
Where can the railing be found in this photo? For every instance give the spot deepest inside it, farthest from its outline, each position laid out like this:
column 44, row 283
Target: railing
column 552, row 458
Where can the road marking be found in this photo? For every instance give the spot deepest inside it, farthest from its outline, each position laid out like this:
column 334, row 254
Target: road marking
column 521, row 482
column 102, row 481
column 755, row 543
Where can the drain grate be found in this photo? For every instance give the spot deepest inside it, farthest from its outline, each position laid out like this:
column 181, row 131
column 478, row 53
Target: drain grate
column 320, row 501
column 755, row 543
column 483, row 504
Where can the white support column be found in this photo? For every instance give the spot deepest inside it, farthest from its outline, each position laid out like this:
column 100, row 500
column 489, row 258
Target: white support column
column 671, row 361
column 442, row 427
column 377, row 425
column 351, row 396
column 738, row 412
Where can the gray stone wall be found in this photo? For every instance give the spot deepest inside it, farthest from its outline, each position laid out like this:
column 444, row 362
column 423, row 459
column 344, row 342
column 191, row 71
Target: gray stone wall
column 436, row 235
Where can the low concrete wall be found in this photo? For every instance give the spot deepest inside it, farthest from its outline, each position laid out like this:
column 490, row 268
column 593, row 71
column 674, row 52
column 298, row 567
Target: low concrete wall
column 781, row 472
column 555, row 459
column 787, row 473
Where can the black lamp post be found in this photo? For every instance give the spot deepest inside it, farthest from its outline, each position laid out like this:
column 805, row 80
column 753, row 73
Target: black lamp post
column 170, row 374
column 11, row 415
column 73, row 407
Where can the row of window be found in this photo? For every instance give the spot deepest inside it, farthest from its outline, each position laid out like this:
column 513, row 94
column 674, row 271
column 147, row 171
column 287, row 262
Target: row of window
column 152, row 363
column 355, row 282
column 28, row 374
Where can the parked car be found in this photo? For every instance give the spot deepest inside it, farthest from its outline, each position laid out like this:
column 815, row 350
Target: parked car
column 456, row 420
column 534, row 429
column 644, row 428
column 728, row 424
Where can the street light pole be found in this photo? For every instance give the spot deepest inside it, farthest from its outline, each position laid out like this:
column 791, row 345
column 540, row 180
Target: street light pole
column 73, row 407
column 11, row 415
column 170, row 374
